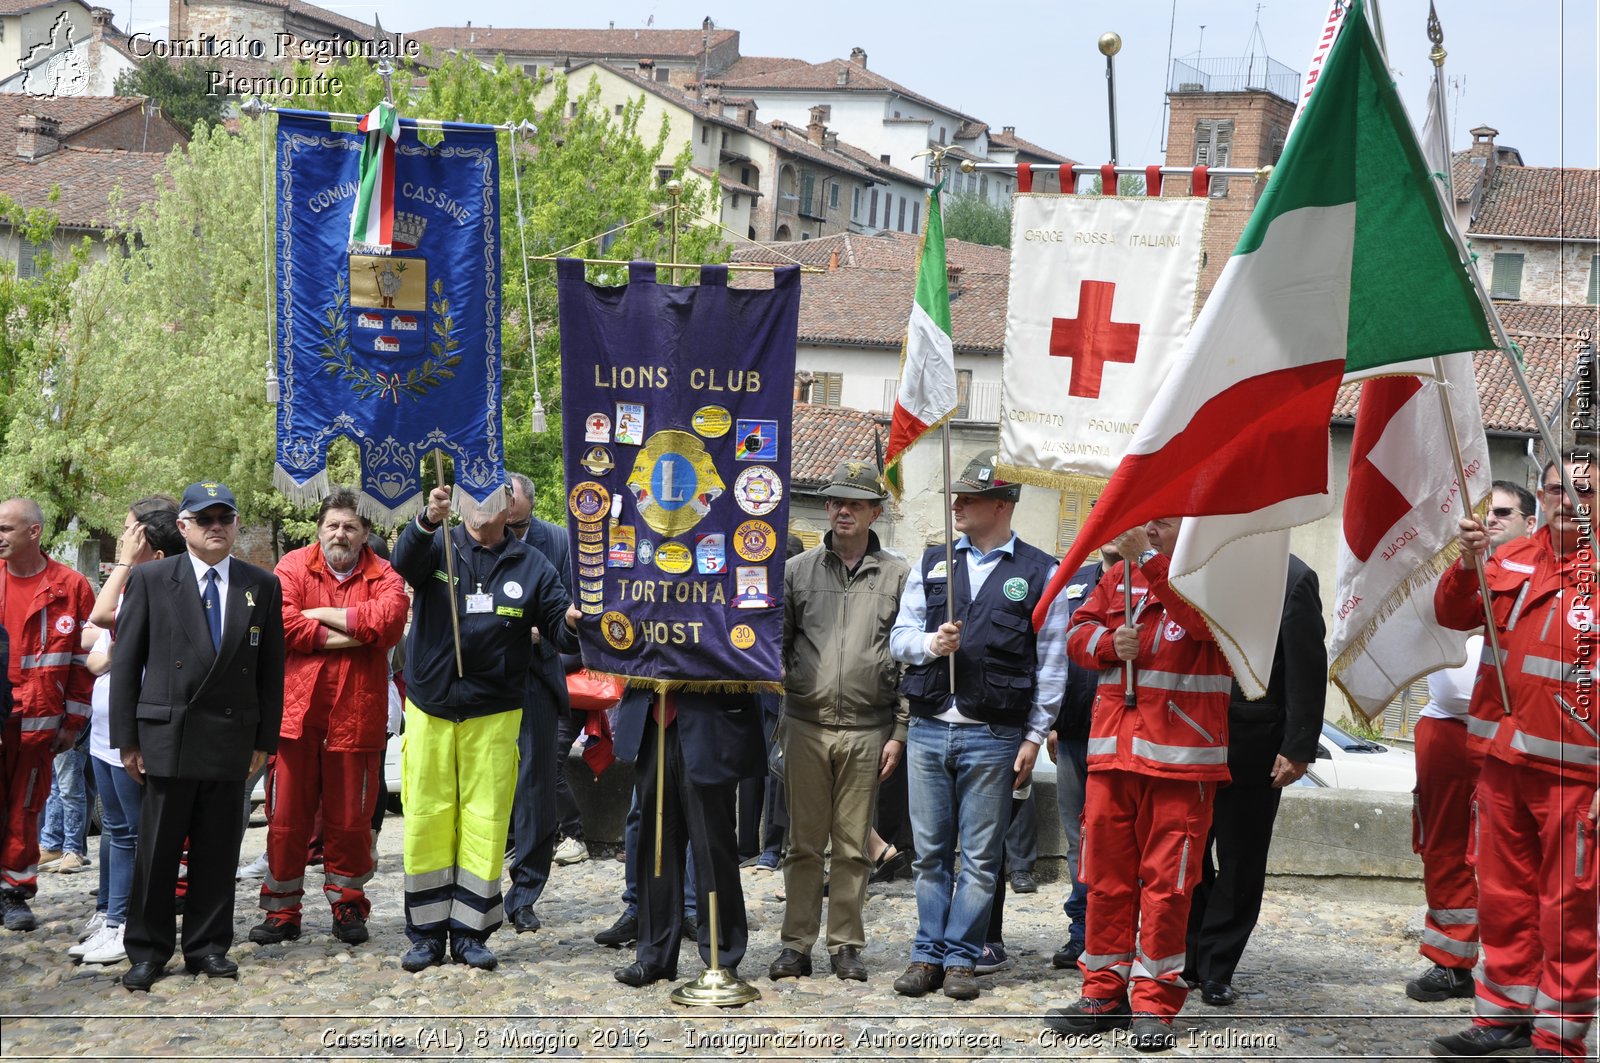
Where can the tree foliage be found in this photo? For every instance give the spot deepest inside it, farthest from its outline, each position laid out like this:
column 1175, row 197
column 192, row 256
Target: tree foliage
column 976, row 220
column 151, row 374
column 182, row 90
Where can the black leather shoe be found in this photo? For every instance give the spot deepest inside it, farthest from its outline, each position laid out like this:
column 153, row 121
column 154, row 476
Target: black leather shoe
column 141, row 976
column 1440, row 983
column 624, row 931
column 1480, row 1041
column 1151, row 1033
column 212, row 965
column 429, row 952
column 847, row 963
column 473, row 953
column 1217, row 994
column 691, row 929
column 524, row 921
column 1022, row 882
column 640, row 975
column 1066, row 957
column 790, row 963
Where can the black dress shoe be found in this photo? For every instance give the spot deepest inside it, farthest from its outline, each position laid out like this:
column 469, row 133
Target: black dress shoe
column 691, row 929
column 791, row 963
column 141, row 976
column 212, row 965
column 1481, row 1041
column 624, row 931
column 524, row 920
column 1066, row 957
column 847, row 964
column 1022, row 882
column 640, row 975
column 1217, row 994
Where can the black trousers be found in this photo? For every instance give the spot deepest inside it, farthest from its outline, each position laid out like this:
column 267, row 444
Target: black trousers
column 534, row 827
column 1227, row 900
column 704, row 815
column 206, row 813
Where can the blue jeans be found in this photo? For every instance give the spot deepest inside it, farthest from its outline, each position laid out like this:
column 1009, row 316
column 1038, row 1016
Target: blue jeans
column 119, row 837
column 960, row 778
column 64, row 826
column 1072, row 775
column 630, row 848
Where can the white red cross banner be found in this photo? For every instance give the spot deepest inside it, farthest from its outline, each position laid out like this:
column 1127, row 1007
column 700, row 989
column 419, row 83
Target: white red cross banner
column 1103, row 290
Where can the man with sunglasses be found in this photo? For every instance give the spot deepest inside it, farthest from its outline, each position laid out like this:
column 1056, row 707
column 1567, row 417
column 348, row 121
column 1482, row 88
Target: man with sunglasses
column 196, row 704
column 1537, row 799
column 1448, row 764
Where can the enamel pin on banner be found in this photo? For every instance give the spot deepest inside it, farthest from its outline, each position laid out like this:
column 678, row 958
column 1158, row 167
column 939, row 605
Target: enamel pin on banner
column 695, row 380
column 388, row 312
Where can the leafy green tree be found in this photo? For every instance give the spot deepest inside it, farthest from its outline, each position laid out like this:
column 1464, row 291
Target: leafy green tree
column 976, row 220
column 180, row 89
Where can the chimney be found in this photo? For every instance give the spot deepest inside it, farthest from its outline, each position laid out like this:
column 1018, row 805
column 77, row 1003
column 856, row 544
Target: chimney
column 100, row 17
column 815, row 129
column 833, row 260
column 747, row 113
column 1483, row 148
column 830, row 140
column 842, row 77
column 952, row 273
column 1009, row 130
column 36, row 136
column 647, row 69
column 858, row 56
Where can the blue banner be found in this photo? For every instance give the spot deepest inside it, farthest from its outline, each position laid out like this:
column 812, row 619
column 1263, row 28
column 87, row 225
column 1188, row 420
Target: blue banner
column 398, row 352
column 677, row 404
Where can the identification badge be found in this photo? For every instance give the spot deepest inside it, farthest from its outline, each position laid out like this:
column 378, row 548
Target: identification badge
column 480, row 603
column 255, row 636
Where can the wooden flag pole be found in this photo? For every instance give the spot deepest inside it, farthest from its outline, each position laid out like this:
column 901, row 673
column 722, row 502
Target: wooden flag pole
column 450, row 569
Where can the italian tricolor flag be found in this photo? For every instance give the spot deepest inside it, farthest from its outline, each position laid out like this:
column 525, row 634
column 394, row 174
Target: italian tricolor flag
column 372, row 222
column 927, row 393
column 1345, row 265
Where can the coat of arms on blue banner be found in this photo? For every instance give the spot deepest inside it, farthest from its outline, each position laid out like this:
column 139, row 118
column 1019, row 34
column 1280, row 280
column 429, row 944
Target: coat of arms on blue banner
column 399, row 352
column 678, row 584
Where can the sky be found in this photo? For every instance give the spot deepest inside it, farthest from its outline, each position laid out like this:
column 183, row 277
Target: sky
column 1530, row 70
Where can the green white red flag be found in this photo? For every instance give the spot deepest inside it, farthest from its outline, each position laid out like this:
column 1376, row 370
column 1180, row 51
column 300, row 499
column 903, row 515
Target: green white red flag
column 372, row 220
column 1345, row 265
column 927, row 393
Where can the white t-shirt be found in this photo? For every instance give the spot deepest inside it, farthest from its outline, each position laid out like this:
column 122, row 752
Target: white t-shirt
column 1450, row 689
column 100, row 708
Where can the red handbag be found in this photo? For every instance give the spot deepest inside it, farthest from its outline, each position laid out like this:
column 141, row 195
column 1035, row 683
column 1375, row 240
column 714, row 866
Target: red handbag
column 593, row 691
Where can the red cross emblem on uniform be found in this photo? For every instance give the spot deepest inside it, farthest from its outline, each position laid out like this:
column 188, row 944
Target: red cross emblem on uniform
column 1092, row 339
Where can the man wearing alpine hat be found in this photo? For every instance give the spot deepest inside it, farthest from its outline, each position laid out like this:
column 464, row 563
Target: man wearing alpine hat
column 967, row 750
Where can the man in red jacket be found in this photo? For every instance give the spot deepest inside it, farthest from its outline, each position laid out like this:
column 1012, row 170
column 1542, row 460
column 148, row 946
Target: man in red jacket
column 1154, row 767
column 1537, row 796
column 43, row 605
column 344, row 608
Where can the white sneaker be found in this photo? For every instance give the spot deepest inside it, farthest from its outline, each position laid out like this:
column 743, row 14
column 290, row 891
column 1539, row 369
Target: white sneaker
column 256, row 868
column 92, row 927
column 571, row 851
column 108, row 948
column 77, row 951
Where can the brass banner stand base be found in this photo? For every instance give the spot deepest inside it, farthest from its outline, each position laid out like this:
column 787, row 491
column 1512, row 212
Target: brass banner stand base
column 715, row 987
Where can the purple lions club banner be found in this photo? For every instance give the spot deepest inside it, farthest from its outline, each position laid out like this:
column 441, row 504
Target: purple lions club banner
column 399, row 352
column 677, row 405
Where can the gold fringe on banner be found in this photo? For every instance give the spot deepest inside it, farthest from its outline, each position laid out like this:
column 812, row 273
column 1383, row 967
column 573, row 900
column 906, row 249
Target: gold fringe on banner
column 1063, row 481
column 698, row 686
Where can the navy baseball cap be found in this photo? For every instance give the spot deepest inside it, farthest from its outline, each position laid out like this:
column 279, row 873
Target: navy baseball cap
column 202, row 496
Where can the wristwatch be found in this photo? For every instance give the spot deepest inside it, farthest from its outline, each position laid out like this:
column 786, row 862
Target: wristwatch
column 1144, row 558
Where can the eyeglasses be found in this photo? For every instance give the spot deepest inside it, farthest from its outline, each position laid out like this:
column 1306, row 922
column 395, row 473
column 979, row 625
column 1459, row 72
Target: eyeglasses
column 1504, row 511
column 204, row 521
column 1580, row 488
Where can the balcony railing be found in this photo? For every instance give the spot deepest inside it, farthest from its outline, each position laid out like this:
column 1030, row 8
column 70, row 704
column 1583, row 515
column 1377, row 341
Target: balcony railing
column 788, row 203
column 1234, row 75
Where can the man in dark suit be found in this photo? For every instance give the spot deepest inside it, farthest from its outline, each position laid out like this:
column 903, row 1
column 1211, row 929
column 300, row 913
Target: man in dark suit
column 196, row 703
column 713, row 741
column 1271, row 742
column 534, row 823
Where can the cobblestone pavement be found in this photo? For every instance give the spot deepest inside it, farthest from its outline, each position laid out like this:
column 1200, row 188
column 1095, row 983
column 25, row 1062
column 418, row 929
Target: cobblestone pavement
column 1323, row 979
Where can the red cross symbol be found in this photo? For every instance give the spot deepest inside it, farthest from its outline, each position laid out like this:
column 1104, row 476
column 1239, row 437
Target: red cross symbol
column 597, row 423
column 1092, row 339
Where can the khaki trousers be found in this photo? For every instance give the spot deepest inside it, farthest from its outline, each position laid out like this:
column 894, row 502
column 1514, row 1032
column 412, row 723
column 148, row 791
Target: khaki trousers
column 831, row 782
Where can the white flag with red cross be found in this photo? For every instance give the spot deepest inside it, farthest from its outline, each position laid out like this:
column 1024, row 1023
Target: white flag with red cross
column 1103, row 290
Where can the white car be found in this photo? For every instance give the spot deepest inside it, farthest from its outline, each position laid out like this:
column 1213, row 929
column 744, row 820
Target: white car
column 1352, row 763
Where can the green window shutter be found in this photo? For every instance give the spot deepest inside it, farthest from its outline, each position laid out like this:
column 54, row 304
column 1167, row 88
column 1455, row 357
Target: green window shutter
column 1507, row 282
column 1594, row 280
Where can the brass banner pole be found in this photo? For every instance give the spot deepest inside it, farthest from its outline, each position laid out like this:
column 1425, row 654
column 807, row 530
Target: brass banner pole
column 450, row 568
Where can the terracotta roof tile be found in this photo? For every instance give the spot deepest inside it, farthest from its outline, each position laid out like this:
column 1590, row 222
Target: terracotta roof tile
column 879, row 168
column 884, row 250
column 826, row 435
column 86, row 177
column 825, row 75
column 1546, row 335
column 74, row 113
column 1465, row 173
column 1003, row 139
column 1540, row 201
column 586, row 44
